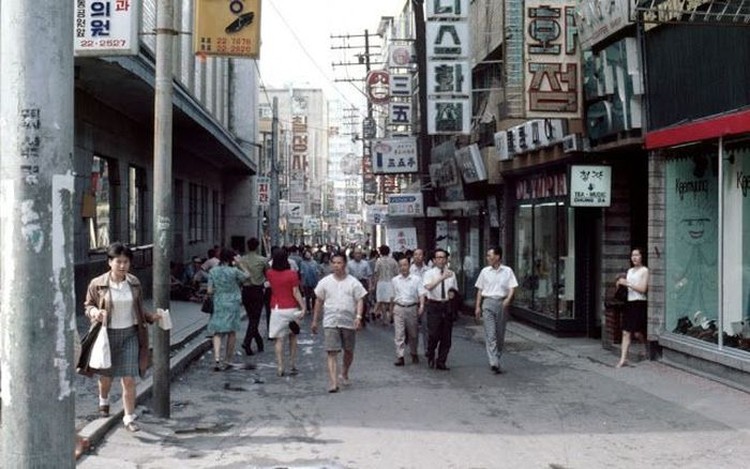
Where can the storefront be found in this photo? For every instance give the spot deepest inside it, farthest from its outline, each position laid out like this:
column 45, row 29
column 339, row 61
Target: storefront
column 544, row 251
column 706, row 246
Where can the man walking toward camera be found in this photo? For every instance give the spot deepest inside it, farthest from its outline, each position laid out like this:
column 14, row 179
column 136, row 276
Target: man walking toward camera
column 407, row 305
column 439, row 283
column 340, row 297
column 495, row 287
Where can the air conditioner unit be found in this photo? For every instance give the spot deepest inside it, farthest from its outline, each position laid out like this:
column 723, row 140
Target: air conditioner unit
column 572, row 143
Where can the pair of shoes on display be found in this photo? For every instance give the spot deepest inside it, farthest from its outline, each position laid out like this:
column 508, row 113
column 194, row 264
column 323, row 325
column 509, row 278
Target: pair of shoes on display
column 399, row 361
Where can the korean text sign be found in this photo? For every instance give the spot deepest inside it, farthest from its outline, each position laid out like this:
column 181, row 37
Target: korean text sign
column 106, row 27
column 395, row 156
column 227, row 28
column 405, row 205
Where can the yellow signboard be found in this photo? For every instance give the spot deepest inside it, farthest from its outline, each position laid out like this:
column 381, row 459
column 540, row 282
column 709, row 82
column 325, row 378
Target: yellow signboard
column 227, row 28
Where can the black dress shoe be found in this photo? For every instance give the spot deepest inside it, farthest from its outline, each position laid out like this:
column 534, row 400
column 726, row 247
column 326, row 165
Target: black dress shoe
column 496, row 370
column 442, row 367
column 399, row 361
column 431, row 362
column 248, row 349
column 415, row 359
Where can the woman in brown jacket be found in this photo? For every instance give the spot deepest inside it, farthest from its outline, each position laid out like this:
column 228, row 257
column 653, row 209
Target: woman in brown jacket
column 115, row 299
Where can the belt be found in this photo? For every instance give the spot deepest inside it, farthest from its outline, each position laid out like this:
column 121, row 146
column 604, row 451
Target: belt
column 407, row 306
column 496, row 298
column 430, row 300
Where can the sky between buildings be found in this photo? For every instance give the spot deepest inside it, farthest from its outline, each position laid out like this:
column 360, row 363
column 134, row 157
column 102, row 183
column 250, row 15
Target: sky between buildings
column 296, row 42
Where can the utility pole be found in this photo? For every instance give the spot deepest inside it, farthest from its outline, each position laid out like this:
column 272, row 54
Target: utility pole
column 37, row 207
column 165, row 35
column 273, row 206
column 363, row 59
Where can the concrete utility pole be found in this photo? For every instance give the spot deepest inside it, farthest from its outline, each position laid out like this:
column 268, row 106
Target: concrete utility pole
column 273, row 206
column 165, row 35
column 37, row 206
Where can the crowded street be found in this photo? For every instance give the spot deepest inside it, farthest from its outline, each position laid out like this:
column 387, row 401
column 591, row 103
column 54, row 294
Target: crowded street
column 559, row 404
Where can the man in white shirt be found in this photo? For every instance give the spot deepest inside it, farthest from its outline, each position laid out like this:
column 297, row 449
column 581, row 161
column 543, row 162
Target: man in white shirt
column 439, row 283
column 340, row 296
column 495, row 287
column 407, row 304
column 418, row 265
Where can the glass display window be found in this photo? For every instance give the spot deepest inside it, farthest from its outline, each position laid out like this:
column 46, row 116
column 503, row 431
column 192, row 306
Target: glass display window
column 544, row 259
column 691, row 241
column 735, row 322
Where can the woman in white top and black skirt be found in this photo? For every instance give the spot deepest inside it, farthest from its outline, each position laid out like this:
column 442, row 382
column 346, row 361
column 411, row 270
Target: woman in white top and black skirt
column 634, row 315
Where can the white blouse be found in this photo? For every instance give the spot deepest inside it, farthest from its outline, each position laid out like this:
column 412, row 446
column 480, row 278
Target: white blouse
column 123, row 310
column 635, row 276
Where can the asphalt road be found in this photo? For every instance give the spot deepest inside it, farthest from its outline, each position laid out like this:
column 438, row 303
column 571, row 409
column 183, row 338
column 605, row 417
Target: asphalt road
column 551, row 409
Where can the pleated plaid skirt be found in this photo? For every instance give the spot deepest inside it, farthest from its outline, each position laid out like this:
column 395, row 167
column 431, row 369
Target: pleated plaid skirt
column 123, row 344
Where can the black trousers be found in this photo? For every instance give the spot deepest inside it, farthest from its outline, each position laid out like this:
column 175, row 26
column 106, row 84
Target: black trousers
column 252, row 300
column 439, row 331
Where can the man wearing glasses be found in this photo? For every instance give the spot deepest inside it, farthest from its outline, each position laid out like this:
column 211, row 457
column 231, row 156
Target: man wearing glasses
column 439, row 283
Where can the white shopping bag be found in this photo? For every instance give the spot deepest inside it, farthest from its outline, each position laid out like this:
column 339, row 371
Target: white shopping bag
column 165, row 323
column 101, row 357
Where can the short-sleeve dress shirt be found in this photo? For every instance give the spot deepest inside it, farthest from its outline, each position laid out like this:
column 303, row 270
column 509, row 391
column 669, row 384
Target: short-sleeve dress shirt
column 435, row 294
column 496, row 283
column 406, row 290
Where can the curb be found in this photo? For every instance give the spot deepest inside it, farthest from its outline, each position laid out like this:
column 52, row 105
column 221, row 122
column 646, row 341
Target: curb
column 97, row 430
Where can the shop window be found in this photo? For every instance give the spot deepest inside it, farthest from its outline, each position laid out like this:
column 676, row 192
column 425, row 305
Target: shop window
column 98, row 203
column 736, row 268
column 544, row 259
column 137, row 205
column 691, row 229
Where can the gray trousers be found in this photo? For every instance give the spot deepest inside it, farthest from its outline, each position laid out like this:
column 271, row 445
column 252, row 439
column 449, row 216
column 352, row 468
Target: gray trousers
column 494, row 328
column 405, row 329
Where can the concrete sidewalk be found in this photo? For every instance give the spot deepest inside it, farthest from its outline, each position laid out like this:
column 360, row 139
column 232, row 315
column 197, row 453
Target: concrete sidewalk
column 187, row 342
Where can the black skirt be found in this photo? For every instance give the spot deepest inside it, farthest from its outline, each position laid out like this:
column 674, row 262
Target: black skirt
column 634, row 316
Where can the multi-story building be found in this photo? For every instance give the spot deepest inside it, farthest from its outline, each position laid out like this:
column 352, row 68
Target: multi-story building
column 303, row 158
column 696, row 59
column 214, row 151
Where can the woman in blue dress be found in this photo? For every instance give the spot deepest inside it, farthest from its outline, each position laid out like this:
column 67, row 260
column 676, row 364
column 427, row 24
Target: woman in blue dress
column 224, row 285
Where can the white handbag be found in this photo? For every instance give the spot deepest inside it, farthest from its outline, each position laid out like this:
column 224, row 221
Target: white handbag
column 101, row 356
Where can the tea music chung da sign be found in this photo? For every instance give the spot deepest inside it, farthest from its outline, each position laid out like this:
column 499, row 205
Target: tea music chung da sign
column 590, row 186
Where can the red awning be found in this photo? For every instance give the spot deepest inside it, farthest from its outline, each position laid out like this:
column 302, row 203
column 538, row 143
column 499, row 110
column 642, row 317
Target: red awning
column 698, row 130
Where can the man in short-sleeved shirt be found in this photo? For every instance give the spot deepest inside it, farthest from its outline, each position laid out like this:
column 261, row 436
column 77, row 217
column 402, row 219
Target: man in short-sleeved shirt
column 255, row 266
column 439, row 286
column 340, row 297
column 495, row 287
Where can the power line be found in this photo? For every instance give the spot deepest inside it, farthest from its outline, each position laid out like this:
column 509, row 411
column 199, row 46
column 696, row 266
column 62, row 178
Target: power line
column 309, row 56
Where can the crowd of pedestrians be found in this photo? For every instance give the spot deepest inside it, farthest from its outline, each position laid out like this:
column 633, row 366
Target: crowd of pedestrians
column 342, row 289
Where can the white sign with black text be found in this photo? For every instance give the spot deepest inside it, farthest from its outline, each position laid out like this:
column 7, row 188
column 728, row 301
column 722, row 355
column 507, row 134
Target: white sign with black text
column 395, row 156
column 590, row 186
column 106, row 27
